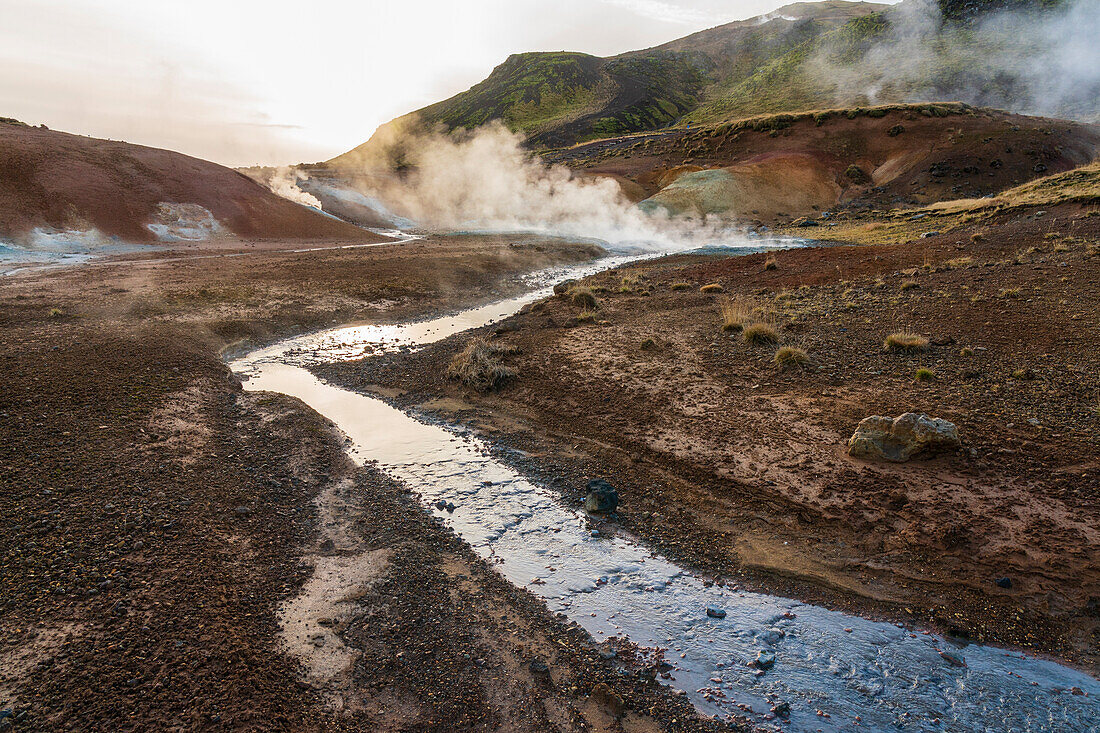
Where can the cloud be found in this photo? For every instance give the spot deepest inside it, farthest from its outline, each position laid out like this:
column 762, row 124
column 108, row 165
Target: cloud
column 666, row 12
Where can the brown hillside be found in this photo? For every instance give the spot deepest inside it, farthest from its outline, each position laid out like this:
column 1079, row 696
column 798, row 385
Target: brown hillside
column 61, row 181
column 785, row 166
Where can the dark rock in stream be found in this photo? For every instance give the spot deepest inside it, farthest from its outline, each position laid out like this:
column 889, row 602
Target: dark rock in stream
column 602, row 497
column 715, row 612
column 763, row 661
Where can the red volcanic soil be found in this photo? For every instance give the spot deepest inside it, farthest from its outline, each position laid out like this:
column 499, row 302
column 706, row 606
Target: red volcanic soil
column 62, row 181
column 791, row 165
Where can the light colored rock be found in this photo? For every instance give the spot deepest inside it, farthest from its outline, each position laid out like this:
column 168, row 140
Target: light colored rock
column 910, row 436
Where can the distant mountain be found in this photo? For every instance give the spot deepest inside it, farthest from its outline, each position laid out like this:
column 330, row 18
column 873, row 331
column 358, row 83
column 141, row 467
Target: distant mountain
column 1008, row 54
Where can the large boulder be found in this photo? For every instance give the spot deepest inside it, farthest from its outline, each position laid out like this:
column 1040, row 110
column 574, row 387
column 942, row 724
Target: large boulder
column 602, row 497
column 912, row 435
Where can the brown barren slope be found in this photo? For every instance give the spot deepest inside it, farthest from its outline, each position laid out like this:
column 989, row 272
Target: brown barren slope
column 61, row 181
column 785, row 166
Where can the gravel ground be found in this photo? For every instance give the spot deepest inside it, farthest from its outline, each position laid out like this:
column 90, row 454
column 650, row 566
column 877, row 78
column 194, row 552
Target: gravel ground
column 737, row 466
column 164, row 530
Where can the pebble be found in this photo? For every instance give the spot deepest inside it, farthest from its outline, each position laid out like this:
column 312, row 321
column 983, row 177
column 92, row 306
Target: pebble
column 715, row 612
column 772, row 636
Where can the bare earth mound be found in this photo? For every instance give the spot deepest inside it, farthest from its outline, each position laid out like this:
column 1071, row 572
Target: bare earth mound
column 59, row 181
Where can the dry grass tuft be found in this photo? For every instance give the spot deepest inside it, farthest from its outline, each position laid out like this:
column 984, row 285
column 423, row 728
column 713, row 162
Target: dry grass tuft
column 789, row 356
column 759, row 334
column 711, row 288
column 735, row 314
column 481, row 365
column 770, row 264
column 906, row 341
column 925, row 375
column 681, row 286
column 960, row 262
column 583, row 297
column 1010, row 293
column 910, row 285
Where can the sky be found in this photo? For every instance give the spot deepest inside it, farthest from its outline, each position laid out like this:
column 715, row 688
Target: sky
column 243, row 82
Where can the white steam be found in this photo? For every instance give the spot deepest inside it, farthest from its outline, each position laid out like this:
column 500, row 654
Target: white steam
column 284, row 182
column 1036, row 62
column 484, row 180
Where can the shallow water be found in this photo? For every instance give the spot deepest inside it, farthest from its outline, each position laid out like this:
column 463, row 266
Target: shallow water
column 48, row 249
column 835, row 671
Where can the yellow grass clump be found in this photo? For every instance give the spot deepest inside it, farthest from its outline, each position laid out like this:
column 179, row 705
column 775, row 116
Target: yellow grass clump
column 906, row 341
column 789, row 356
column 583, row 297
column 481, row 365
column 759, row 334
column 735, row 314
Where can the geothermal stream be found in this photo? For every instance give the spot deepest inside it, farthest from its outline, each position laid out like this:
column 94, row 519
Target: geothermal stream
column 834, row 671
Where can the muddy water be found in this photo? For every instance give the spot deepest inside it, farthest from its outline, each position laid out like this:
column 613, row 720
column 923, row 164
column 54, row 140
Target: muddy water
column 834, row 671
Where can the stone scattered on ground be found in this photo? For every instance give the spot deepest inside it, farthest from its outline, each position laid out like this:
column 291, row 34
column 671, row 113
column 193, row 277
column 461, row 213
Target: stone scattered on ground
column 901, row 439
column 602, row 498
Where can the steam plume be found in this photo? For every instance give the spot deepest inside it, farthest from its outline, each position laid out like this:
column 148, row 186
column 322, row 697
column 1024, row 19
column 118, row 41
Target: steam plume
column 1043, row 62
column 484, row 180
column 284, row 182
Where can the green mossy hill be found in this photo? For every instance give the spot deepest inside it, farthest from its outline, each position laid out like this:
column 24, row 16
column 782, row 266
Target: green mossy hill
column 525, row 90
column 800, row 57
column 559, row 98
column 793, row 80
column 968, row 9
column 850, row 65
